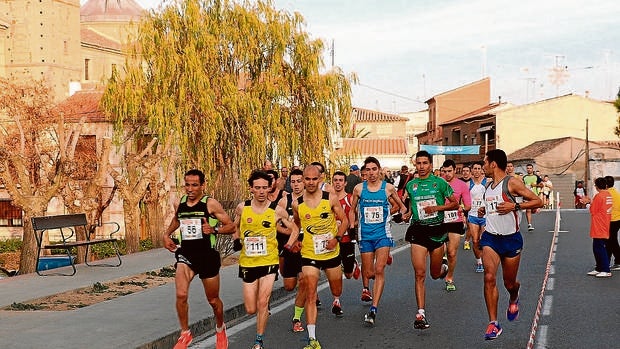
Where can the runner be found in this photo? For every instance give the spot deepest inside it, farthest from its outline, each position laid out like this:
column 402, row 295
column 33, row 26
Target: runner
column 453, row 220
column 430, row 197
column 256, row 221
column 316, row 212
column 476, row 224
column 197, row 216
column 501, row 241
column 534, row 183
column 350, row 267
column 323, row 185
column 370, row 200
column 466, row 177
column 290, row 262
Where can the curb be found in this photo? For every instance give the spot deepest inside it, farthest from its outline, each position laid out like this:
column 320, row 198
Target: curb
column 206, row 327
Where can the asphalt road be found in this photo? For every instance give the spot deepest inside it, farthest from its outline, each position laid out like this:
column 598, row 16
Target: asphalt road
column 577, row 311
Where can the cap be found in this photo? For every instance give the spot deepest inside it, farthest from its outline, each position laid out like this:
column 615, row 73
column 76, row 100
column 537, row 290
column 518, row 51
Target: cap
column 354, row 168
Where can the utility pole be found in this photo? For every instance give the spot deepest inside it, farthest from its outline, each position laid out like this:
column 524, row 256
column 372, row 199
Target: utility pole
column 587, row 172
column 332, row 53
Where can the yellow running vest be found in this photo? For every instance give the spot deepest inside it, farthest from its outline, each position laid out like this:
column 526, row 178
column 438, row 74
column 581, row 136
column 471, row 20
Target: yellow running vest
column 319, row 226
column 258, row 236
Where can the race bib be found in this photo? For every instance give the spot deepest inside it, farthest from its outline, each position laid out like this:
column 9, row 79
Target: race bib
column 255, row 246
column 475, row 205
column 424, row 203
column 191, row 229
column 491, row 208
column 320, row 243
column 450, row 216
column 373, row 214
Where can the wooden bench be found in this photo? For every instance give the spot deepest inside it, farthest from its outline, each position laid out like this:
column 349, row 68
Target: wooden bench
column 67, row 226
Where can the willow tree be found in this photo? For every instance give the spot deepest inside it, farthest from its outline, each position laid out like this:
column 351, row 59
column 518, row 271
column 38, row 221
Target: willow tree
column 228, row 83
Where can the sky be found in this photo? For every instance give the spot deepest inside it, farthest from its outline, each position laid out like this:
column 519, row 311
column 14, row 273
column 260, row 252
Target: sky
column 406, row 51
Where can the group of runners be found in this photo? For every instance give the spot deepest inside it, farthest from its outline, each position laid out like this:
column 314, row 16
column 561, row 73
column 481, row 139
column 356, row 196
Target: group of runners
column 315, row 228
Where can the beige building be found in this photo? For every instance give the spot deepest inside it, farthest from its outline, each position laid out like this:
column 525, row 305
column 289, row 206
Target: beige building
column 73, row 48
column 564, row 161
column 63, row 43
column 384, row 138
column 563, row 116
column 416, row 125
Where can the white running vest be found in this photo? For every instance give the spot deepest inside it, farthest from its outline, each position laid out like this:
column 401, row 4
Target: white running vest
column 504, row 224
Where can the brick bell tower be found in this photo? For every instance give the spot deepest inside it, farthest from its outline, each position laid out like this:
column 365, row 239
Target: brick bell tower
column 40, row 39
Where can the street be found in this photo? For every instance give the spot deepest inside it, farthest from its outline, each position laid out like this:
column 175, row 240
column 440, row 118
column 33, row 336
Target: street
column 573, row 312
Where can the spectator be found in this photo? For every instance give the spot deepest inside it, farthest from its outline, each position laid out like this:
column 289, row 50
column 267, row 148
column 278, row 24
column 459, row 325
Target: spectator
column 402, row 180
column 546, row 191
column 353, row 179
column 580, row 193
column 600, row 218
column 612, row 245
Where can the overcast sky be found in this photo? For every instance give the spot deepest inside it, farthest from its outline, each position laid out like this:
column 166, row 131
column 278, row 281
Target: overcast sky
column 406, row 51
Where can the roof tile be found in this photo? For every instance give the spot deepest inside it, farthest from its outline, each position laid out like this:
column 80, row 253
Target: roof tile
column 83, row 103
column 367, row 115
column 374, row 146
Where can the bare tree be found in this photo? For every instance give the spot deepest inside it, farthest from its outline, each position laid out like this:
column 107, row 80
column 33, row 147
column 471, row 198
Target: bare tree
column 36, row 148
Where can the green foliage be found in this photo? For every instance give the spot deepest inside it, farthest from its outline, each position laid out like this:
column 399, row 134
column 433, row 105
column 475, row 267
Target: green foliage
column 11, row 245
column 98, row 287
column 163, row 272
column 135, row 283
column 107, row 250
column 25, row 306
column 228, row 83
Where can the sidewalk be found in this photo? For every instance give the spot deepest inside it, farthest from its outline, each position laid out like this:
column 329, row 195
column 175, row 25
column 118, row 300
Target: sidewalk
column 140, row 320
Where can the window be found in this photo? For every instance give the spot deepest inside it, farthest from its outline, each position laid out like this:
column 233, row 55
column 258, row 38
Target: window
column 456, row 137
column 86, row 75
column 10, row 216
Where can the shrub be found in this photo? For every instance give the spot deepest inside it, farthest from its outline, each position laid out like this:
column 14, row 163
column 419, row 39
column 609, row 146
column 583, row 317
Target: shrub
column 11, row 245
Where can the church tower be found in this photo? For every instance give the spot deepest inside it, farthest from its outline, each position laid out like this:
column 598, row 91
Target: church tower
column 40, row 39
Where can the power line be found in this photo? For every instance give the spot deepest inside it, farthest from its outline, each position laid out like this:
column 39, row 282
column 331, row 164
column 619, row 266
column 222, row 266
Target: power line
column 391, row 93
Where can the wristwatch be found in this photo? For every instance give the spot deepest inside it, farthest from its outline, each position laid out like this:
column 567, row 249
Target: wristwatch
column 517, row 207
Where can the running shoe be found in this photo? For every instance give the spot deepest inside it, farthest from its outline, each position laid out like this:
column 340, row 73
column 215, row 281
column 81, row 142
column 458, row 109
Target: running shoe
column 593, row 273
column 318, row 303
column 466, row 245
column 313, row 344
column 420, row 322
column 444, row 269
column 366, row 295
column 479, row 268
column 493, row 331
column 357, row 271
column 369, row 318
column 297, row 327
column 615, row 267
column 512, row 313
column 450, row 286
column 530, row 227
column 221, row 339
column 258, row 345
column 184, row 340
column 337, row 309
column 603, row 274
column 390, row 259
